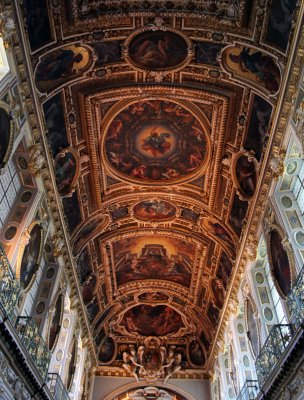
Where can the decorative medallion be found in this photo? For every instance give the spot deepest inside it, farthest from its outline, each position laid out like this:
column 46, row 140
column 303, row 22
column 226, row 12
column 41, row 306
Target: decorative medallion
column 158, row 50
column 154, row 210
column 66, row 171
column 156, row 142
column 31, row 256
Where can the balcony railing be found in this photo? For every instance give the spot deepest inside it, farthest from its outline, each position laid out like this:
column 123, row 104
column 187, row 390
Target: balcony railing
column 9, row 286
column 278, row 340
column 249, row 391
column 29, row 334
column 57, row 388
column 295, row 300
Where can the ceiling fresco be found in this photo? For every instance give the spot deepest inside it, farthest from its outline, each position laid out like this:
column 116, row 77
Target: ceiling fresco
column 158, row 117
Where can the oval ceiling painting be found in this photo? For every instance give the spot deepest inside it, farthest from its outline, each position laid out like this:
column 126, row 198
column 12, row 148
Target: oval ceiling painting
column 66, row 171
column 152, row 321
column 280, row 263
column 55, row 323
column 156, row 141
column 154, row 210
column 31, row 257
column 246, row 176
column 107, row 350
column 5, row 135
column 158, row 50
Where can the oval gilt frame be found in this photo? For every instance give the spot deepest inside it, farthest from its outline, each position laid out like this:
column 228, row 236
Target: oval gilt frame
column 21, row 252
column 9, row 149
column 153, row 29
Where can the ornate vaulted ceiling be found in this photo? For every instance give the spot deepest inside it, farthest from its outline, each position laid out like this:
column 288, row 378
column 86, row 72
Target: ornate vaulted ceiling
column 157, row 117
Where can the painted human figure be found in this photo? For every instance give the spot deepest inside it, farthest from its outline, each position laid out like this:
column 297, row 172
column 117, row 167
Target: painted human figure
column 260, row 65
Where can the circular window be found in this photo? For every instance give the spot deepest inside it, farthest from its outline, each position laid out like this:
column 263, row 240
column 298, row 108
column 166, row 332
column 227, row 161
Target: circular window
column 240, row 328
column 286, row 201
column 26, row 196
column 50, row 273
column 59, row 355
column 40, row 307
column 226, row 363
column 246, row 361
column 262, row 252
column 259, row 278
column 66, row 323
column 22, row 162
column 10, row 233
column 291, row 167
column 300, row 238
column 268, row 314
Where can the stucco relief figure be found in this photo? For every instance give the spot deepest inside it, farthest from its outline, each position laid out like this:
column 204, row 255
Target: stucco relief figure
column 151, row 361
column 157, row 50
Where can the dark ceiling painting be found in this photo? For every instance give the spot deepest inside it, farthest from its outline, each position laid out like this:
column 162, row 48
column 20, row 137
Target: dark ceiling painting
column 208, row 53
column 31, row 257
column 55, row 123
column 280, row 264
column 280, row 23
column 258, row 125
column 152, row 321
column 256, row 67
column 37, row 23
column 156, row 141
column 66, row 171
column 157, row 50
column 158, row 121
column 5, row 134
column 61, row 65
